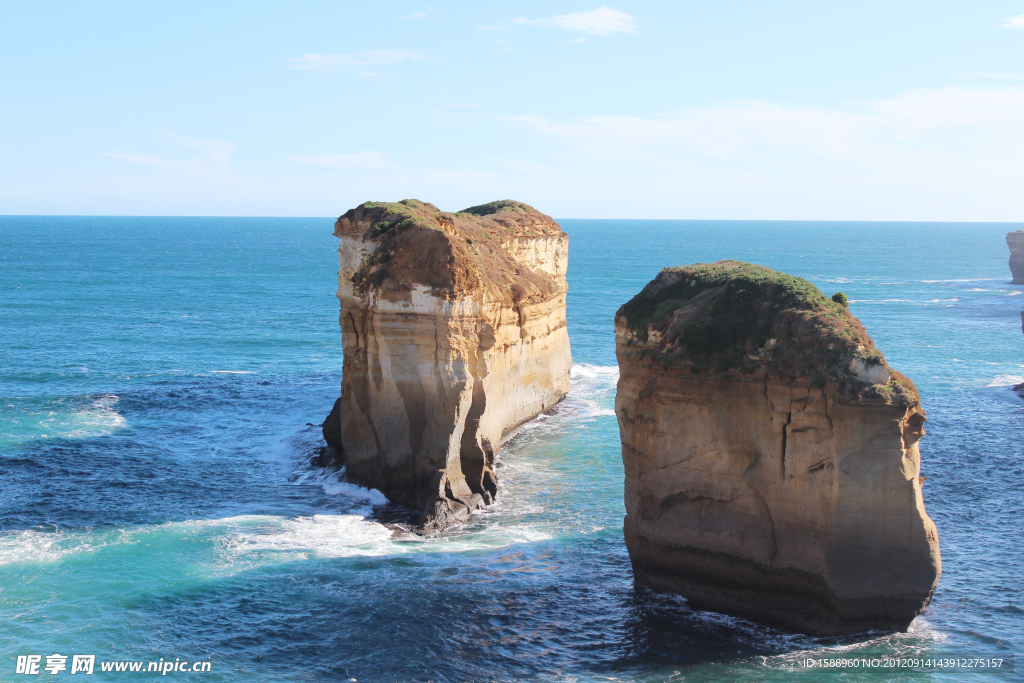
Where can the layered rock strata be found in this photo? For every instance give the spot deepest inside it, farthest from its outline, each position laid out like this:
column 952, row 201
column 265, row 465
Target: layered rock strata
column 771, row 454
column 1015, row 241
column 454, row 333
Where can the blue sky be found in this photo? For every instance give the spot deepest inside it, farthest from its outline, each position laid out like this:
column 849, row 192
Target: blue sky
column 724, row 109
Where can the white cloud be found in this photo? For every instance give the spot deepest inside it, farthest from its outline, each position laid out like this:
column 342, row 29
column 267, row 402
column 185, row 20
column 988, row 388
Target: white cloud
column 931, row 108
column 217, row 152
column 1014, row 22
column 337, row 60
column 748, row 130
column 945, row 154
column 598, row 22
column 214, row 155
column 928, row 154
column 358, row 161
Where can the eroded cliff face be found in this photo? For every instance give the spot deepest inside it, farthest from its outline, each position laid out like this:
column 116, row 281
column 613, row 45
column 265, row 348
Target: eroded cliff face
column 771, row 454
column 1015, row 241
column 454, row 334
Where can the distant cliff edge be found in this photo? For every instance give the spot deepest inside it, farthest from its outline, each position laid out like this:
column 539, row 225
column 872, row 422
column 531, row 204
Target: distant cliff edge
column 771, row 454
column 454, row 333
column 1015, row 241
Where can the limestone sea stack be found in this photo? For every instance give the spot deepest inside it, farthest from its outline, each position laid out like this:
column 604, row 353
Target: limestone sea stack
column 454, row 333
column 771, row 454
column 1015, row 241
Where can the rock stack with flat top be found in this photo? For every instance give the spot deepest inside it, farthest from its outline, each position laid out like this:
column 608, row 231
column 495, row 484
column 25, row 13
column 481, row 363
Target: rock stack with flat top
column 1015, row 241
column 454, row 333
column 771, row 454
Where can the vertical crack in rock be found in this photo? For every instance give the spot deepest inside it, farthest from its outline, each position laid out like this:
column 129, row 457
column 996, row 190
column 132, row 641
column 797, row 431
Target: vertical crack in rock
column 775, row 541
column 476, row 455
column 785, row 430
column 828, row 416
column 454, row 333
column 834, row 539
column 355, row 329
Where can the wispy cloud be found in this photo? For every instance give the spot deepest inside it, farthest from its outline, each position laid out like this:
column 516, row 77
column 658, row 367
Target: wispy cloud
column 602, row 21
column 928, row 154
column 961, row 121
column 357, row 161
column 998, row 76
column 214, row 155
column 339, row 61
column 416, row 16
column 1013, row 22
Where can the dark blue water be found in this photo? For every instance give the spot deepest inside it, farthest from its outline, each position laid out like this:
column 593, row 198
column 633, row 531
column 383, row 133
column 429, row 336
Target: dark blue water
column 156, row 383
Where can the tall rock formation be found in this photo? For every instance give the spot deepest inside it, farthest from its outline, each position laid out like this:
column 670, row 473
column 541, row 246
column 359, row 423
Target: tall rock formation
column 454, row 333
column 1015, row 241
column 771, row 454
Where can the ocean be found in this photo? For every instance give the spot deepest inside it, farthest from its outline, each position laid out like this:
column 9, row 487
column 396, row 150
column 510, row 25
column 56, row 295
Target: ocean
column 163, row 380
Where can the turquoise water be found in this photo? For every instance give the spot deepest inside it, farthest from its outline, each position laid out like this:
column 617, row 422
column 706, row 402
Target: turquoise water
column 158, row 375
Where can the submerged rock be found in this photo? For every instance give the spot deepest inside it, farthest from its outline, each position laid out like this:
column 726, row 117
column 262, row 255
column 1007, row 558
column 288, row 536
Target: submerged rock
column 771, row 454
column 1015, row 241
column 454, row 334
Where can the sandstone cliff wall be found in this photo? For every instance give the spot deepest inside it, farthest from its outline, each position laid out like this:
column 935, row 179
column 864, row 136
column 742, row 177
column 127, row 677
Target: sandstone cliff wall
column 454, row 333
column 1015, row 241
column 772, row 467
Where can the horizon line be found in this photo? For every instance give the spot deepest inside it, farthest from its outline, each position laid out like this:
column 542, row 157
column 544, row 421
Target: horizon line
column 706, row 220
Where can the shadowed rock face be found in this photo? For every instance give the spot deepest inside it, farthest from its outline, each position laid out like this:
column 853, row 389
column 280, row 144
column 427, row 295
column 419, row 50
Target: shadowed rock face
column 771, row 454
column 454, row 334
column 1015, row 241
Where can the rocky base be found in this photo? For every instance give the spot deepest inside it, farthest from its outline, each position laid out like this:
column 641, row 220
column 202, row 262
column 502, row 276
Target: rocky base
column 1017, row 271
column 786, row 598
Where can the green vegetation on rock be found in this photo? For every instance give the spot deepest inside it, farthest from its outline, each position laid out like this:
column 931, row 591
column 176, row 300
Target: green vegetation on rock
column 841, row 299
column 746, row 296
column 734, row 316
column 495, row 207
column 398, row 215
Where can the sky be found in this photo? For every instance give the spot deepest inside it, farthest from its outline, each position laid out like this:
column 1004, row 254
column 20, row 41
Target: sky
column 725, row 109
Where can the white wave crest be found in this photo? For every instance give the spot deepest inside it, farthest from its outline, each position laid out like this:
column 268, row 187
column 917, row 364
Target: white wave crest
column 588, row 371
column 319, row 535
column 918, row 640
column 99, row 418
column 32, row 545
column 344, row 488
column 593, row 389
column 1005, row 381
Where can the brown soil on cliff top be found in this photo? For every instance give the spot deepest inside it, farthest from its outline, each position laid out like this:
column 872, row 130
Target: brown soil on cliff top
column 742, row 318
column 454, row 254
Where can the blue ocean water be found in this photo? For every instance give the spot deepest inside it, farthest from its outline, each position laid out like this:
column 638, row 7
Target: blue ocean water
column 158, row 383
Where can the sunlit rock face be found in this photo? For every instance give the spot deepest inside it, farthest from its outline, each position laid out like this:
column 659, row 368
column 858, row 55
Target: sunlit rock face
column 771, row 454
column 454, row 334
